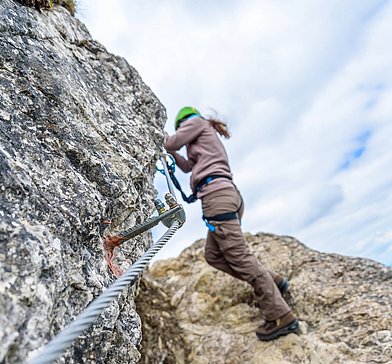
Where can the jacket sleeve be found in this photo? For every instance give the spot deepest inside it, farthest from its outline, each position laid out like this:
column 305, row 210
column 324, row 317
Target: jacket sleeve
column 188, row 132
column 184, row 164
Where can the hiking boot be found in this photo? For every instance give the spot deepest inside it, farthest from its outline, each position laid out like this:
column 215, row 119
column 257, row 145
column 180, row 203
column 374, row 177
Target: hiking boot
column 282, row 284
column 284, row 325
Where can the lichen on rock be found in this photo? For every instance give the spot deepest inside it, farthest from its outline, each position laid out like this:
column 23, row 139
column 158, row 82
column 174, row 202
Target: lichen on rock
column 49, row 4
column 192, row 313
column 80, row 134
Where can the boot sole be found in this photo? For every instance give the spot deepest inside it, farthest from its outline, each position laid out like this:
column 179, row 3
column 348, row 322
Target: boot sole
column 292, row 328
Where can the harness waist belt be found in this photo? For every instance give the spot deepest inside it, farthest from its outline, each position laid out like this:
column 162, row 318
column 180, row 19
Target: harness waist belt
column 207, row 180
column 222, row 217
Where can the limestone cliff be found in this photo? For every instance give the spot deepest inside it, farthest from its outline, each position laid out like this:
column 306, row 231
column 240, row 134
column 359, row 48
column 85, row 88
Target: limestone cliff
column 79, row 137
column 193, row 313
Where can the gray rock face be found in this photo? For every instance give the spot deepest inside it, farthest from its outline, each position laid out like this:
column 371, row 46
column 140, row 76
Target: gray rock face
column 79, row 137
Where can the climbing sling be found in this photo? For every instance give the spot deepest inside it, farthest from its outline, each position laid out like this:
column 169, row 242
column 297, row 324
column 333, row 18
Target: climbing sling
column 170, row 167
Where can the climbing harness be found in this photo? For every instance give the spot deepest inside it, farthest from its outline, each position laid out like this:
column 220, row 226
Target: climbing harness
column 209, row 179
column 221, row 217
column 173, row 218
column 170, row 166
column 226, row 216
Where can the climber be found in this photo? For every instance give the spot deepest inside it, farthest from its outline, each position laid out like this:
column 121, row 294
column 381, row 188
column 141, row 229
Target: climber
column 222, row 205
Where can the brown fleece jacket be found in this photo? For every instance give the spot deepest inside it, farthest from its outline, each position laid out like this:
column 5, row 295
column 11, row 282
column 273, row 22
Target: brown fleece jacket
column 205, row 152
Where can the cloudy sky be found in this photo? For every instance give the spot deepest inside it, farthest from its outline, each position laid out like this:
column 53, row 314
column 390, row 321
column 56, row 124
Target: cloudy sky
column 306, row 89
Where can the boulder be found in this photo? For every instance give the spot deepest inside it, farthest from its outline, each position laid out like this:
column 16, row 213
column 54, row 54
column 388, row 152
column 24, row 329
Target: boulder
column 192, row 313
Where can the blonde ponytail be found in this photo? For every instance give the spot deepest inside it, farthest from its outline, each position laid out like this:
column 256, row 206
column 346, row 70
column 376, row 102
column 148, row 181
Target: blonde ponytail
column 219, row 125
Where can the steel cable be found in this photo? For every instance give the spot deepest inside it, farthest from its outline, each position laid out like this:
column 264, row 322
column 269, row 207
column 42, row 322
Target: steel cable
column 167, row 176
column 84, row 320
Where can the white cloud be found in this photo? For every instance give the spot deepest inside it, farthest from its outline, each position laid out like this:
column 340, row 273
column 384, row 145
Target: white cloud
column 306, row 87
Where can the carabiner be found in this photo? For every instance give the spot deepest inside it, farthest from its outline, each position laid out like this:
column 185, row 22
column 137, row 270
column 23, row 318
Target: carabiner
column 170, row 166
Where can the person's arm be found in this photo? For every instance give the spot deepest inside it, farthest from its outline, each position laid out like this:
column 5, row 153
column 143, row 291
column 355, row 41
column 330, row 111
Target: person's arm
column 189, row 131
column 184, row 164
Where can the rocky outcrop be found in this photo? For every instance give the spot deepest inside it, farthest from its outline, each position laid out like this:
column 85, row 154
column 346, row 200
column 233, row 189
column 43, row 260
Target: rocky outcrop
column 79, row 137
column 193, row 313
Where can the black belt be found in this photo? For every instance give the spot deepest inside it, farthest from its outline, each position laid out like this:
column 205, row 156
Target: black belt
column 226, row 216
column 222, row 217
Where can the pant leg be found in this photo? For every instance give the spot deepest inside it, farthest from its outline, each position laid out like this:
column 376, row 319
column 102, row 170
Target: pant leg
column 228, row 240
column 215, row 258
column 213, row 254
column 240, row 214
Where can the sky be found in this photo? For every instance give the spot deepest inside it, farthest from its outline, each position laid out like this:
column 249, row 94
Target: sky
column 306, row 89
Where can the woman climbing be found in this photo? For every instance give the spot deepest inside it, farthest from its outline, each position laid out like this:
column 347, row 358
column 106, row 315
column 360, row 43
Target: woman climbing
column 222, row 205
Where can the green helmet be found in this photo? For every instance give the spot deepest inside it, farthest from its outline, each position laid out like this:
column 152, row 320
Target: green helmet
column 184, row 113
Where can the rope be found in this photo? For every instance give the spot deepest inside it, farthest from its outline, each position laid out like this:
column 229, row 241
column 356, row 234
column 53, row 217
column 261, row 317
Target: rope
column 66, row 337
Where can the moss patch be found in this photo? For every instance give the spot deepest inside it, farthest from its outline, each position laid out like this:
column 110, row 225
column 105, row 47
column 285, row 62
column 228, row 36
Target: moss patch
column 70, row 5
